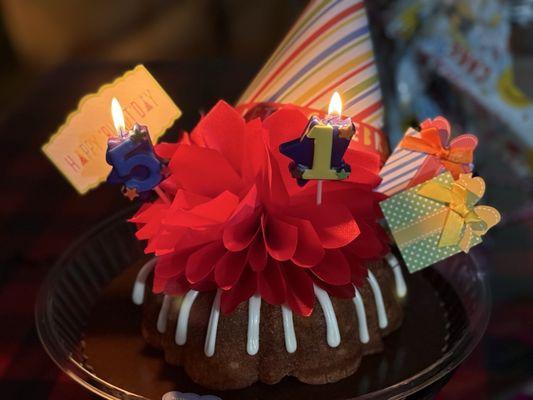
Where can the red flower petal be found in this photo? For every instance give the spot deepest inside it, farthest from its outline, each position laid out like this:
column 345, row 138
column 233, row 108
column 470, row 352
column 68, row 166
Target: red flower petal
column 300, row 292
column 202, row 261
column 257, row 254
column 171, row 265
column 165, row 242
column 173, row 286
column 185, row 200
column 334, row 225
column 280, row 237
column 271, row 283
column 205, row 285
column 229, row 269
column 358, row 270
column 165, row 150
column 369, row 245
column 334, row 268
column 149, row 213
column 239, row 236
column 215, row 211
column 147, row 231
column 276, row 190
column 309, row 250
column 243, row 290
column 284, row 125
column 203, row 171
column 256, row 151
column 223, row 130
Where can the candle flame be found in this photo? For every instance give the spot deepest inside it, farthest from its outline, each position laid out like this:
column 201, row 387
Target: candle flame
column 118, row 116
column 335, row 105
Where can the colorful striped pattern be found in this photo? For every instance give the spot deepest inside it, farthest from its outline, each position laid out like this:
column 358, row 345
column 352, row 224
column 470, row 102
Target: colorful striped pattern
column 400, row 169
column 328, row 49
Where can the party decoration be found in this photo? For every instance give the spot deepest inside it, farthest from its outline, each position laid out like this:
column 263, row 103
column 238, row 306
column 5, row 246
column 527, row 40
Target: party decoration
column 438, row 218
column 78, row 148
column 424, row 154
column 132, row 156
column 318, row 153
column 238, row 221
column 467, row 43
column 328, row 49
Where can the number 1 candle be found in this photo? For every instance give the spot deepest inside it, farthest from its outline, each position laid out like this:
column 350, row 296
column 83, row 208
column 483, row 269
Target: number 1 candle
column 318, row 153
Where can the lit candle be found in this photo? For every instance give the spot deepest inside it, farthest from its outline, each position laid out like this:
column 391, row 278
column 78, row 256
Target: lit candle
column 132, row 156
column 318, row 153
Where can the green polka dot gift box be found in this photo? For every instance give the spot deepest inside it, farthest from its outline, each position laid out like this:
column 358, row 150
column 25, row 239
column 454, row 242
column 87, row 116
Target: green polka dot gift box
column 438, row 218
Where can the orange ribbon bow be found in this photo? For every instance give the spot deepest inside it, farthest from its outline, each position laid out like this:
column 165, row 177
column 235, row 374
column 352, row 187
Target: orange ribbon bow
column 453, row 156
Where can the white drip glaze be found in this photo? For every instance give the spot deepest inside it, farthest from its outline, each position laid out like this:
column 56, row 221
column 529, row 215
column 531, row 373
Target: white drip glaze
column 333, row 335
column 137, row 295
column 254, row 317
column 183, row 318
column 254, row 313
column 288, row 329
column 211, row 337
column 364, row 337
column 163, row 314
column 401, row 288
column 378, row 298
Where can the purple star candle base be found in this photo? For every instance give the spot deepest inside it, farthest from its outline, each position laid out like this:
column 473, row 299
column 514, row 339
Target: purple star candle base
column 327, row 164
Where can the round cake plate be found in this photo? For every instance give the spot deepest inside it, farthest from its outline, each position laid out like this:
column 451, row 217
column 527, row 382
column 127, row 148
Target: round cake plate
column 71, row 292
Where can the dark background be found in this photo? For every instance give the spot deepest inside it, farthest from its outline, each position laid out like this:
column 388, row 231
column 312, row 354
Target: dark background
column 52, row 52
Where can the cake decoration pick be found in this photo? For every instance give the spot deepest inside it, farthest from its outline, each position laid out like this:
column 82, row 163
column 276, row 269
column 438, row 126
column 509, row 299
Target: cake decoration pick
column 318, row 153
column 131, row 154
column 424, row 154
column 438, row 218
column 239, row 223
column 78, row 148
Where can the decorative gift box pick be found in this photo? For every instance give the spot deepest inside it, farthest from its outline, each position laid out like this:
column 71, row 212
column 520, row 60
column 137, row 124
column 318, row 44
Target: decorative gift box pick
column 424, row 154
column 438, row 218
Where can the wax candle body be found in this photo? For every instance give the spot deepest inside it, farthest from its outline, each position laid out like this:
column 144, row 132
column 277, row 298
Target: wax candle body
column 319, row 152
column 134, row 162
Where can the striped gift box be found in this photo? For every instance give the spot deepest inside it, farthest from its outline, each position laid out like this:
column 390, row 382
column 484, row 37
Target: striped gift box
column 403, row 169
column 328, row 49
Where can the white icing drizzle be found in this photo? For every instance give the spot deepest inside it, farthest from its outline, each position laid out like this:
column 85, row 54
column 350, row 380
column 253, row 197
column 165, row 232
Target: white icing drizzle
column 333, row 336
column 254, row 312
column 401, row 288
column 163, row 314
column 364, row 337
column 137, row 295
column 211, row 337
column 183, row 318
column 378, row 298
column 254, row 316
column 288, row 329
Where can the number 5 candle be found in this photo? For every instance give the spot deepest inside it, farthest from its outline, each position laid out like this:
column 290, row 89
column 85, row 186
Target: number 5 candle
column 132, row 157
column 318, row 153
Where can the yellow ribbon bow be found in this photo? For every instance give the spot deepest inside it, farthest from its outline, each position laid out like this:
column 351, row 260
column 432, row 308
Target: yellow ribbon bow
column 464, row 220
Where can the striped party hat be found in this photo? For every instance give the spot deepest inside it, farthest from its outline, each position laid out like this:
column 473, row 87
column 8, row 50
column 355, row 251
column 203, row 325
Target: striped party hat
column 328, row 49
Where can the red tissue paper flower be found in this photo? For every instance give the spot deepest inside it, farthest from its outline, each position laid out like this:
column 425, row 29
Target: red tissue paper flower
column 239, row 222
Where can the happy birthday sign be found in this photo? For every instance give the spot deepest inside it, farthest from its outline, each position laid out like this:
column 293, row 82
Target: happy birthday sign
column 78, row 148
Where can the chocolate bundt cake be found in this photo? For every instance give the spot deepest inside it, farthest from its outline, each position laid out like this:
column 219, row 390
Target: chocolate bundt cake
column 262, row 342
